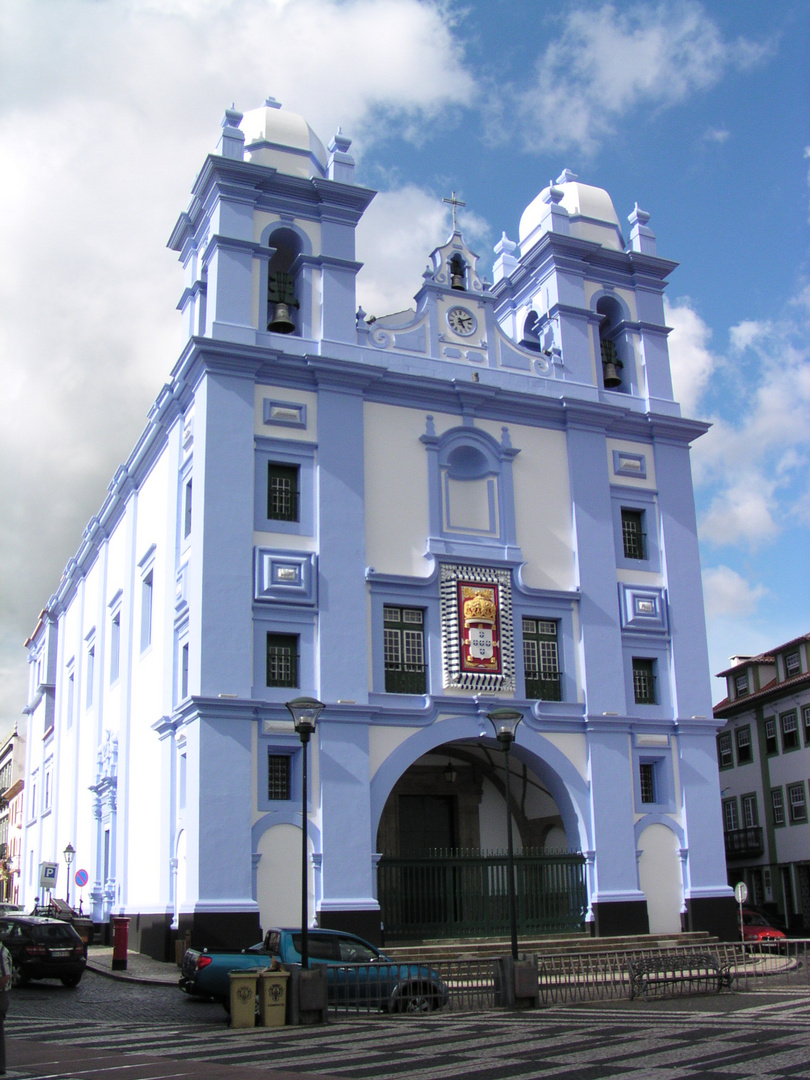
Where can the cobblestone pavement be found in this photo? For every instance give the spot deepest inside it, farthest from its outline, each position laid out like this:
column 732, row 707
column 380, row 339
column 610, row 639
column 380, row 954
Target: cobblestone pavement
column 106, row 1030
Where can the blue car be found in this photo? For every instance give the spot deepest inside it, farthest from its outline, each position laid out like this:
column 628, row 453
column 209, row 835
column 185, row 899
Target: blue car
column 357, row 973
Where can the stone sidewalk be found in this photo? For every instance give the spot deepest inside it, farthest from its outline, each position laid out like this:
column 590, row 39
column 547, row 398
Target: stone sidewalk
column 140, row 968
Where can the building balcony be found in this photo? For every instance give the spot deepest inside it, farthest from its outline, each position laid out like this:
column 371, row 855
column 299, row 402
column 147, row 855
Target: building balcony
column 744, row 843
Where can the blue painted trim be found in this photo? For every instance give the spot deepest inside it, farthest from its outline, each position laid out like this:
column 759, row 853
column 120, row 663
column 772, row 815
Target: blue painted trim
column 626, row 464
column 283, row 576
column 285, row 452
column 643, row 608
column 658, row 818
column 568, row 789
column 290, row 746
column 661, row 758
column 655, row 649
column 283, row 619
column 284, row 413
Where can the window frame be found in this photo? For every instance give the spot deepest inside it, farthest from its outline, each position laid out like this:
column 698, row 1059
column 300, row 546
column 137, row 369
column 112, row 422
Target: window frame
column 409, row 676
column 644, row 501
column 797, row 668
column 287, row 472
column 731, row 814
column 778, row 807
column 725, row 750
column 790, row 735
column 771, row 739
column 286, row 453
column 634, row 538
column 645, row 667
column 280, row 639
column 792, row 790
column 274, row 755
column 743, row 731
column 545, row 672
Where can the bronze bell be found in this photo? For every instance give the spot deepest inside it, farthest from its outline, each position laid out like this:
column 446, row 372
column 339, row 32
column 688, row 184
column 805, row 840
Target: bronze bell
column 457, row 281
column 281, row 323
column 611, row 375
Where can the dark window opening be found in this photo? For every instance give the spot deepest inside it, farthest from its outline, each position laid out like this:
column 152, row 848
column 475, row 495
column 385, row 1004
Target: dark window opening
column 282, row 492
column 404, row 650
column 278, row 777
column 644, row 681
column 634, row 539
column 541, row 659
column 744, row 753
column 771, row 745
column 647, row 781
column 282, row 660
column 790, row 730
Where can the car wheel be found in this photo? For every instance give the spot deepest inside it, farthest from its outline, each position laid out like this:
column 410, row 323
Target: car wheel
column 71, row 980
column 416, row 999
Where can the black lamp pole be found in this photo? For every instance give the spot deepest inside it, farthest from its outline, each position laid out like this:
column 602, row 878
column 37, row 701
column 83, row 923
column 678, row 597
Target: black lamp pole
column 304, row 711
column 69, row 852
column 505, row 722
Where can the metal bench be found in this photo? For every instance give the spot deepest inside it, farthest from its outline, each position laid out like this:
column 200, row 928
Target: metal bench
column 665, row 974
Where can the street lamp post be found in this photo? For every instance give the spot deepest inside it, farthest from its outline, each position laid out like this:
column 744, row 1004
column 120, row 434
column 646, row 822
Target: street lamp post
column 69, row 852
column 505, row 722
column 305, row 712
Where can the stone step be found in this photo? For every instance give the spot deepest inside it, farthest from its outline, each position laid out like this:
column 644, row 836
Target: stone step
column 551, row 945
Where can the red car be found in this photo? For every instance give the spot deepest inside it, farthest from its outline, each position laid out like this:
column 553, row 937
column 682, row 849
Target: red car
column 755, row 927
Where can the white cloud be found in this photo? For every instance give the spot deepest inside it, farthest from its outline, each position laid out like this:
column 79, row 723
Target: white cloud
column 717, row 135
column 411, row 222
column 691, row 360
column 728, row 593
column 606, row 63
column 115, row 106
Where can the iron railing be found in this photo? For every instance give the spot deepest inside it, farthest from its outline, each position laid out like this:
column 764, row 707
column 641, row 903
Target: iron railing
column 455, row 893
column 576, row 978
column 743, row 843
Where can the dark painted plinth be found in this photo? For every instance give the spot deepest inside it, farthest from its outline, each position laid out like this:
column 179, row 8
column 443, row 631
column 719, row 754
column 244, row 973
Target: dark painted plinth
column 621, row 918
column 717, row 916
column 366, row 924
column 153, row 936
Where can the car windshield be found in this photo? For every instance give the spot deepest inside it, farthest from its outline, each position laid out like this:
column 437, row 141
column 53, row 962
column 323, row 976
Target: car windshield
column 53, row 932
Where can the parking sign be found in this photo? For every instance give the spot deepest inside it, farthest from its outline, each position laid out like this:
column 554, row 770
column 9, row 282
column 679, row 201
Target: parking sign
column 47, row 875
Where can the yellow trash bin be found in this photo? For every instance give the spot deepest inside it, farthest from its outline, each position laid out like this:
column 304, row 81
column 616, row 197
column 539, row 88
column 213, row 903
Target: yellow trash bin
column 243, row 998
column 273, row 997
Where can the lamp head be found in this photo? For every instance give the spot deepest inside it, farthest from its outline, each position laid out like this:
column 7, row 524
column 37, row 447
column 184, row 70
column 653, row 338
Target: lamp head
column 505, row 722
column 69, row 852
column 305, row 712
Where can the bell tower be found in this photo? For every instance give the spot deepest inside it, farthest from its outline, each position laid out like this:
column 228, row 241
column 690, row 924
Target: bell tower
column 267, row 242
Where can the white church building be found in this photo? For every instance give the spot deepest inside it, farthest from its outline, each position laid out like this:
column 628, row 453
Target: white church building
column 484, row 501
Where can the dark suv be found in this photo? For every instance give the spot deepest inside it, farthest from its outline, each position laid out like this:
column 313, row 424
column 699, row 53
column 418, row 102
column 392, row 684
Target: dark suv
column 42, row 949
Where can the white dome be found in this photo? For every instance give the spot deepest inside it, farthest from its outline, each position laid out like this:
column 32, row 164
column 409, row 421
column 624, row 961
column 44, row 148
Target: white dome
column 591, row 213
column 283, row 140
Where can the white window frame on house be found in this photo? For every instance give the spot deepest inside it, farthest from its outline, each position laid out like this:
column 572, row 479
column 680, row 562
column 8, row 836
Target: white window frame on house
column 806, row 724
column 750, row 811
column 789, row 725
column 745, row 753
column 793, row 664
column 725, row 751
column 741, row 684
column 731, row 819
column 797, row 803
column 771, row 736
column 778, row 807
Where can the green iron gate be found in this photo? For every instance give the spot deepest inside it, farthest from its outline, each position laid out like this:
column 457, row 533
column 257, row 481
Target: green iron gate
column 452, row 893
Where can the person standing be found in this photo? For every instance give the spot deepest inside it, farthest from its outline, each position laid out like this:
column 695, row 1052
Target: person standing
column 5, row 988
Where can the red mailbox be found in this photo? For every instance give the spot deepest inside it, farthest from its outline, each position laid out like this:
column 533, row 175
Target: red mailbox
column 120, row 942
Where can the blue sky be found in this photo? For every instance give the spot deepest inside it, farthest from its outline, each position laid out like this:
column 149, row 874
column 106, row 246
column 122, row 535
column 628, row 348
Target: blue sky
column 700, row 112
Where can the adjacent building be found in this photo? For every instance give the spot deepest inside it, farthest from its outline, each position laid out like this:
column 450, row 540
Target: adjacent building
column 763, row 752
column 12, row 784
column 482, row 501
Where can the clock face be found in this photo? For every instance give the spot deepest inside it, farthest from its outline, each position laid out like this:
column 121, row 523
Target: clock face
column 461, row 321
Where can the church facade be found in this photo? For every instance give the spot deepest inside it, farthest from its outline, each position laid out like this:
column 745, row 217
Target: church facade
column 484, row 501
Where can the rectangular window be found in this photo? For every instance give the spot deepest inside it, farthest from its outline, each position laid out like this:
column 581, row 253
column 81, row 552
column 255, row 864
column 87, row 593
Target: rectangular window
column 730, row 819
column 182, row 782
column 806, row 722
column 778, row 806
column 750, row 812
column 633, row 536
column 146, row 611
column 278, row 776
column 796, row 802
column 643, row 681
column 90, row 675
column 404, row 650
column 187, row 510
column 744, row 753
column 115, row 646
column 71, row 691
column 741, row 684
column 771, row 745
column 282, row 660
column 647, row 782
column 184, row 672
column 725, row 757
column 541, row 659
column 790, row 730
column 793, row 664
column 282, row 492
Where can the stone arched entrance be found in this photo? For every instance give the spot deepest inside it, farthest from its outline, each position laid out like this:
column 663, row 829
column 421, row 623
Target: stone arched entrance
column 442, row 839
